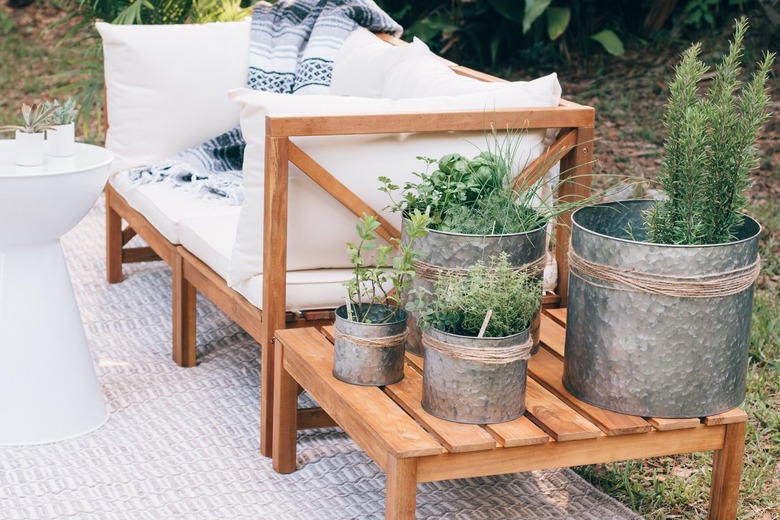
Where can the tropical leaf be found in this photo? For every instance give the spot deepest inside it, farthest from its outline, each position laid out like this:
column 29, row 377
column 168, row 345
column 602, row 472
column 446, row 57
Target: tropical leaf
column 533, row 10
column 557, row 21
column 610, row 41
column 509, row 9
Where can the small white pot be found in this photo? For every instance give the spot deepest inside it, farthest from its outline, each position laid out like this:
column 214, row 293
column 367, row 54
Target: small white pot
column 29, row 148
column 61, row 140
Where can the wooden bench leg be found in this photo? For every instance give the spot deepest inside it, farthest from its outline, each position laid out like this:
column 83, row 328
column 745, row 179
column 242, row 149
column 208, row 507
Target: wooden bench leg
column 726, row 474
column 401, row 489
column 285, row 427
column 184, row 298
column 113, row 243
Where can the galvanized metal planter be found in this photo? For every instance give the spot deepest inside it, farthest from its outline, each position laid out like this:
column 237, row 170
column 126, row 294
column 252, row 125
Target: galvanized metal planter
column 359, row 363
column 472, row 392
column 459, row 251
column 655, row 355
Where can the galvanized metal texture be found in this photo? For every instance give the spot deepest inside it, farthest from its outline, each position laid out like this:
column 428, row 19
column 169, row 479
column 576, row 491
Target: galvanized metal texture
column 456, row 250
column 471, row 392
column 650, row 355
column 368, row 366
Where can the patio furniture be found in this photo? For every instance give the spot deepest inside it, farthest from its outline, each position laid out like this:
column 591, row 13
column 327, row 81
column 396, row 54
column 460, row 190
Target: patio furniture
column 48, row 388
column 557, row 430
column 310, row 167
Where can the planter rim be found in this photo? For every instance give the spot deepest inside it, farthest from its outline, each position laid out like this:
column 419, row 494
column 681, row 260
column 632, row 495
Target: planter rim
column 341, row 313
column 574, row 224
column 454, row 233
column 474, row 338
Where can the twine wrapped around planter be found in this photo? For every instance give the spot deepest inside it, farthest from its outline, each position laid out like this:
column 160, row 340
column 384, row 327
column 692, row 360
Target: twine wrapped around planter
column 715, row 285
column 432, row 272
column 488, row 356
column 384, row 342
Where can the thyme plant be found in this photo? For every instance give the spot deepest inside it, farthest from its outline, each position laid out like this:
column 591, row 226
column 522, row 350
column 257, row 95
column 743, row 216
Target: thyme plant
column 379, row 276
column 461, row 303
column 709, row 148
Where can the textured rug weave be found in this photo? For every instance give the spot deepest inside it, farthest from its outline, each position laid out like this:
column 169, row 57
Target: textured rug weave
column 183, row 443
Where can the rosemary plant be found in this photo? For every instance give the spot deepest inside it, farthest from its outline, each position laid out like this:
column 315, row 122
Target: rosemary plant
column 709, row 148
column 461, row 303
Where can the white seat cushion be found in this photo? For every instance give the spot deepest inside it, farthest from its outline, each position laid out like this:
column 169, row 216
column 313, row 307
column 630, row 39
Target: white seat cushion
column 165, row 208
column 306, row 290
column 211, row 240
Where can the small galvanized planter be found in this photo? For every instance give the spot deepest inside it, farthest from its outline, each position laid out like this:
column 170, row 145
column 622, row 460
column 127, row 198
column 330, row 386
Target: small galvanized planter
column 460, row 389
column 643, row 335
column 369, row 354
column 443, row 251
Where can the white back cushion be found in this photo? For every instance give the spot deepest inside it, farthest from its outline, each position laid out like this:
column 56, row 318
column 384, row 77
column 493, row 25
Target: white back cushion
column 370, row 67
column 166, row 86
column 318, row 226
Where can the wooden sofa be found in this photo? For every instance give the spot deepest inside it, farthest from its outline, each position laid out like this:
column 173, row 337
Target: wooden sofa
column 190, row 273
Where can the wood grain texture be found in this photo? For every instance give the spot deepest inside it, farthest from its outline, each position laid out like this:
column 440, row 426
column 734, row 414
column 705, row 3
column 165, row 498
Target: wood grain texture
column 726, row 473
column 520, row 432
column 369, row 416
column 558, row 315
column 555, row 418
column 553, row 336
column 547, row 370
column 457, row 438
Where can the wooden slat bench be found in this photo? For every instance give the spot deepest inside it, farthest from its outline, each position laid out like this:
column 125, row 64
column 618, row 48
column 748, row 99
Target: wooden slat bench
column 557, row 429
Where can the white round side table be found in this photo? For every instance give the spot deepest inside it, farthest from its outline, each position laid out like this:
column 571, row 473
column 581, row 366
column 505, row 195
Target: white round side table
column 48, row 387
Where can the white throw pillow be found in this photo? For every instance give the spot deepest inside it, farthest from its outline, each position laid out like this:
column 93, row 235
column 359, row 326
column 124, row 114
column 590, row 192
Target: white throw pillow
column 318, row 226
column 418, row 72
column 166, row 86
column 361, row 66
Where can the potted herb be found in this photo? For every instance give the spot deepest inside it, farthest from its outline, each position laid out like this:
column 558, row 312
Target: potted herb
column 30, row 136
column 371, row 328
column 660, row 297
column 479, row 208
column 477, row 342
column 61, row 136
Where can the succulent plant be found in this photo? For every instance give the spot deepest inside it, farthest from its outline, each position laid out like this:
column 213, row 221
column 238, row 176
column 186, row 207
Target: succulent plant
column 37, row 118
column 63, row 114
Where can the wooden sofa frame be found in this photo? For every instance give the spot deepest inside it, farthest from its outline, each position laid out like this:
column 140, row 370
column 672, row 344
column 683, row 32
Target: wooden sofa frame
column 190, row 274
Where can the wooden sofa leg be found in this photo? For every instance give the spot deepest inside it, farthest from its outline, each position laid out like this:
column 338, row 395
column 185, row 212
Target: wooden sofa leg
column 184, row 297
column 726, row 473
column 113, row 243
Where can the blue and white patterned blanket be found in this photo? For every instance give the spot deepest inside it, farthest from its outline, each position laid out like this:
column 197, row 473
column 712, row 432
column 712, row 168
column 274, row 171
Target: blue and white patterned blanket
column 293, row 45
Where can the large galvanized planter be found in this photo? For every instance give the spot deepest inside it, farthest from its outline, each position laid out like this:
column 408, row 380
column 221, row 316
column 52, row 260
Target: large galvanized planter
column 674, row 344
column 443, row 251
column 458, row 388
column 369, row 354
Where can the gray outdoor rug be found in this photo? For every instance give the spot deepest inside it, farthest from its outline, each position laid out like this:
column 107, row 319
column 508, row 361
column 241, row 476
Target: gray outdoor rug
column 183, row 443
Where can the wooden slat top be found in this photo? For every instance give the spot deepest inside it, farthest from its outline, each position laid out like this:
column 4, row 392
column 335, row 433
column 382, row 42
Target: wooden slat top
column 547, row 369
column 735, row 415
column 363, row 411
column 553, row 416
column 553, row 335
column 456, row 437
column 395, row 414
column 558, row 315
